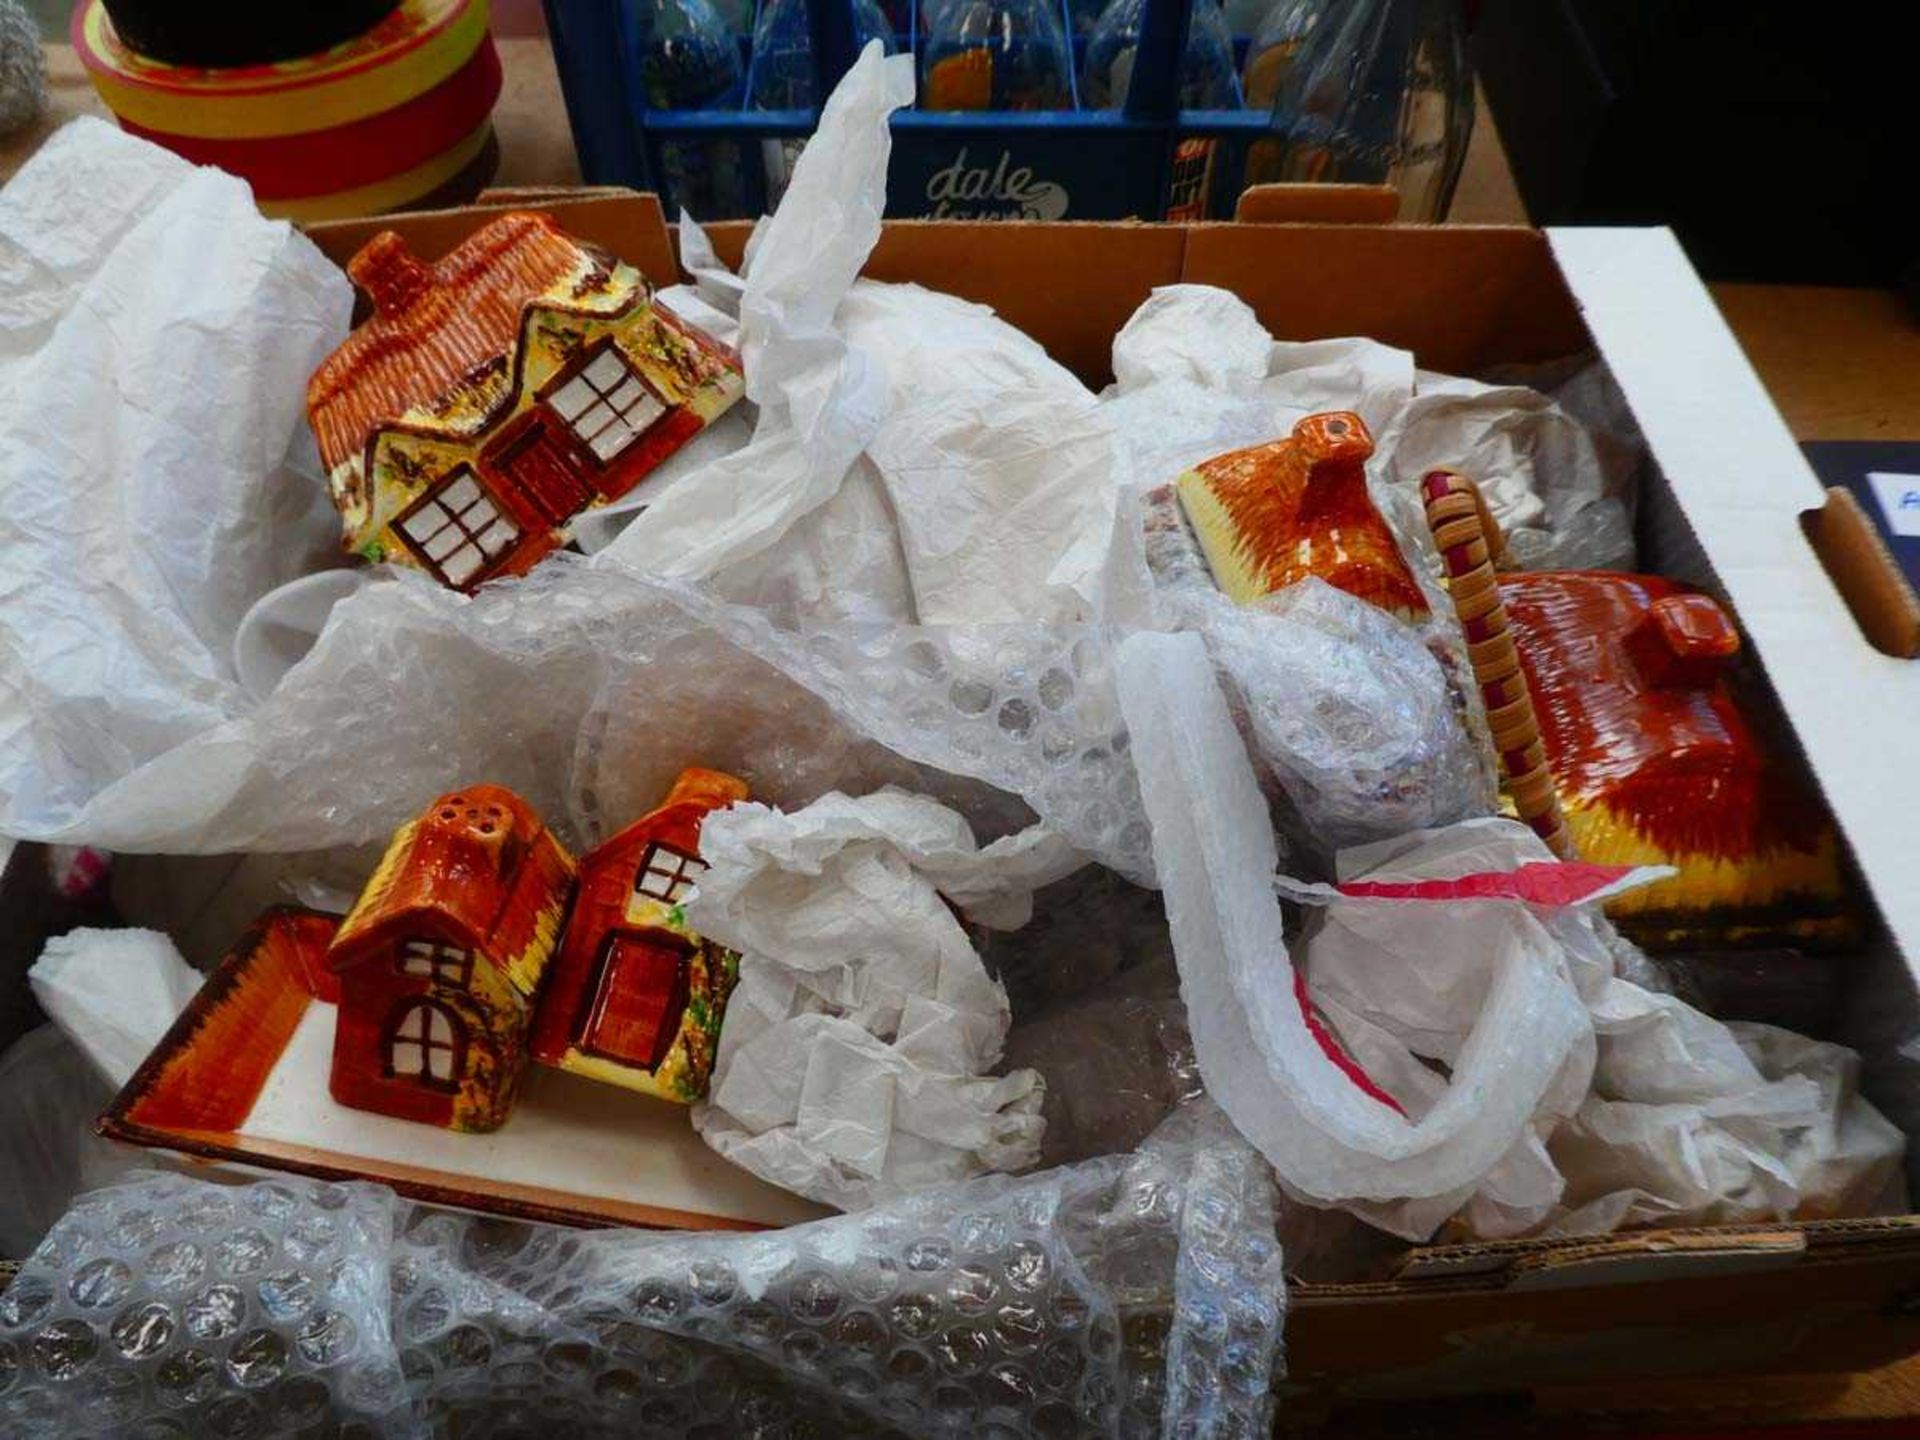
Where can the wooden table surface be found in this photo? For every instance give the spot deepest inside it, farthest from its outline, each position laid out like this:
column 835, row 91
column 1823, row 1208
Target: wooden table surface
column 1840, row 364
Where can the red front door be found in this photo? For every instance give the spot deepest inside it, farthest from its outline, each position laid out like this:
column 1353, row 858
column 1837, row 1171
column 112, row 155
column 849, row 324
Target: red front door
column 638, row 998
column 538, row 459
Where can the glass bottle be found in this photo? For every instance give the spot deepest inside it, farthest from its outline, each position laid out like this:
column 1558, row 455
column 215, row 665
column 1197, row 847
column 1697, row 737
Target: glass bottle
column 783, row 51
column 689, row 60
column 688, row 57
column 783, row 77
column 1275, row 46
column 1244, row 17
column 996, row 55
column 1381, row 94
column 1206, row 70
column 736, row 15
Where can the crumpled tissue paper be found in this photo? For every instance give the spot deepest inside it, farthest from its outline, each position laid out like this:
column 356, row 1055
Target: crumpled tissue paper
column 114, row 993
column 156, row 335
column 111, row 994
column 916, row 458
column 1668, row 1117
column 853, row 1065
column 1486, row 1045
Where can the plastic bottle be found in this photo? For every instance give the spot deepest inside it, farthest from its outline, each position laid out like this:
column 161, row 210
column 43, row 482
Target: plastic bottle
column 736, row 15
column 1244, row 16
column 783, row 75
column 689, row 60
column 1206, row 70
column 1275, row 46
column 1382, row 94
column 996, row 55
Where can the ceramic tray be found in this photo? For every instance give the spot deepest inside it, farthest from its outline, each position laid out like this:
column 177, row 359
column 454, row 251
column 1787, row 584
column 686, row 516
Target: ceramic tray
column 241, row 1080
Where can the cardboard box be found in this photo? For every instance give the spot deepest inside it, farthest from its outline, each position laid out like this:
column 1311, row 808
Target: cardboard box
column 1722, row 510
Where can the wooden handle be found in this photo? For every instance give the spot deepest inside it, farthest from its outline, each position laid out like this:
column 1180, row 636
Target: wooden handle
column 1473, row 548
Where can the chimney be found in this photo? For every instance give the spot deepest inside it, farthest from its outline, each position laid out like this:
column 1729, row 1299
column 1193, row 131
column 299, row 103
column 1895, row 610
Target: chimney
column 709, row 789
column 1683, row 642
column 390, row 273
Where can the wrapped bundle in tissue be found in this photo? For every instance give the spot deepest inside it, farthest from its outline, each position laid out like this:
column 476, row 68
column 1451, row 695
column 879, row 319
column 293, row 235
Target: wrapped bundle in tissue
column 853, row 1065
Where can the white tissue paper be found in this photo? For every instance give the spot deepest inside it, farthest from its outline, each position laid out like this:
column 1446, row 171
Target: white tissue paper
column 1674, row 1118
column 853, row 1064
column 156, row 335
column 113, row 992
column 916, row 457
column 1489, row 1062
column 820, row 399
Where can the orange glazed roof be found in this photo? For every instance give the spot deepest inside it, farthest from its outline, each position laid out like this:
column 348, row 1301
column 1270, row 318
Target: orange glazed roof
column 478, row 862
column 432, row 323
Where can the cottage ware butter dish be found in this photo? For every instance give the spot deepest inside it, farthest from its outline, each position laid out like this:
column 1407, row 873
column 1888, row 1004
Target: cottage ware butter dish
column 499, row 392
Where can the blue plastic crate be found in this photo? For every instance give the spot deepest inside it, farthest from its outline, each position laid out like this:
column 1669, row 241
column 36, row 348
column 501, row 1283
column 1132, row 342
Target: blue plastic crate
column 1149, row 159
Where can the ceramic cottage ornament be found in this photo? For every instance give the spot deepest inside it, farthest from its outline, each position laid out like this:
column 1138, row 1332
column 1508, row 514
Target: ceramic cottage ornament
column 472, row 950
column 1271, row 515
column 497, row 393
column 440, row 962
column 636, row 996
column 1645, row 751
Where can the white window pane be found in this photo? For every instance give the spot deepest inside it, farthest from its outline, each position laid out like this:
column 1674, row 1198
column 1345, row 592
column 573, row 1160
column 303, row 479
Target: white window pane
column 423, row 522
column 461, row 493
column 406, row 1057
column 573, row 397
column 419, row 947
column 479, row 513
column 607, row 370
column 443, row 544
column 463, row 565
column 410, row 1027
column 442, row 1063
column 612, row 440
column 627, row 395
column 595, row 418
column 441, row 1032
column 498, row 536
column 679, row 889
column 643, row 414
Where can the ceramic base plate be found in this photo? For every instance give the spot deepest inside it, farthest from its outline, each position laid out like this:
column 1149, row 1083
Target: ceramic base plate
column 241, row 1081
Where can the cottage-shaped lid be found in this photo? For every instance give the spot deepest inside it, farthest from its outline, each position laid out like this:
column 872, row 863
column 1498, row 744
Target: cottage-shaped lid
column 432, row 324
column 1272, row 515
column 478, row 867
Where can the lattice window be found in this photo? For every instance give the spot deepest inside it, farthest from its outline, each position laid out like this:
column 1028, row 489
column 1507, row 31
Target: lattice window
column 459, row 529
column 425, row 1045
column 607, row 405
column 443, row 964
column 667, row 874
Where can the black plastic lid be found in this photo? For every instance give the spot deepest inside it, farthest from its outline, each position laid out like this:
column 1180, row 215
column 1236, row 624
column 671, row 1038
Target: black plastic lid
column 226, row 33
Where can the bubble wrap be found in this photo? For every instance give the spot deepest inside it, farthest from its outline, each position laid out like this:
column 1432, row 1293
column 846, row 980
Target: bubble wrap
column 1359, row 717
column 1129, row 1296
column 586, row 690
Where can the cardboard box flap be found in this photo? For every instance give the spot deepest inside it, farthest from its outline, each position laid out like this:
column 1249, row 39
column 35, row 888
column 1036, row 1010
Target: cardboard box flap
column 1742, row 485
column 1638, row 1255
column 1461, row 298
